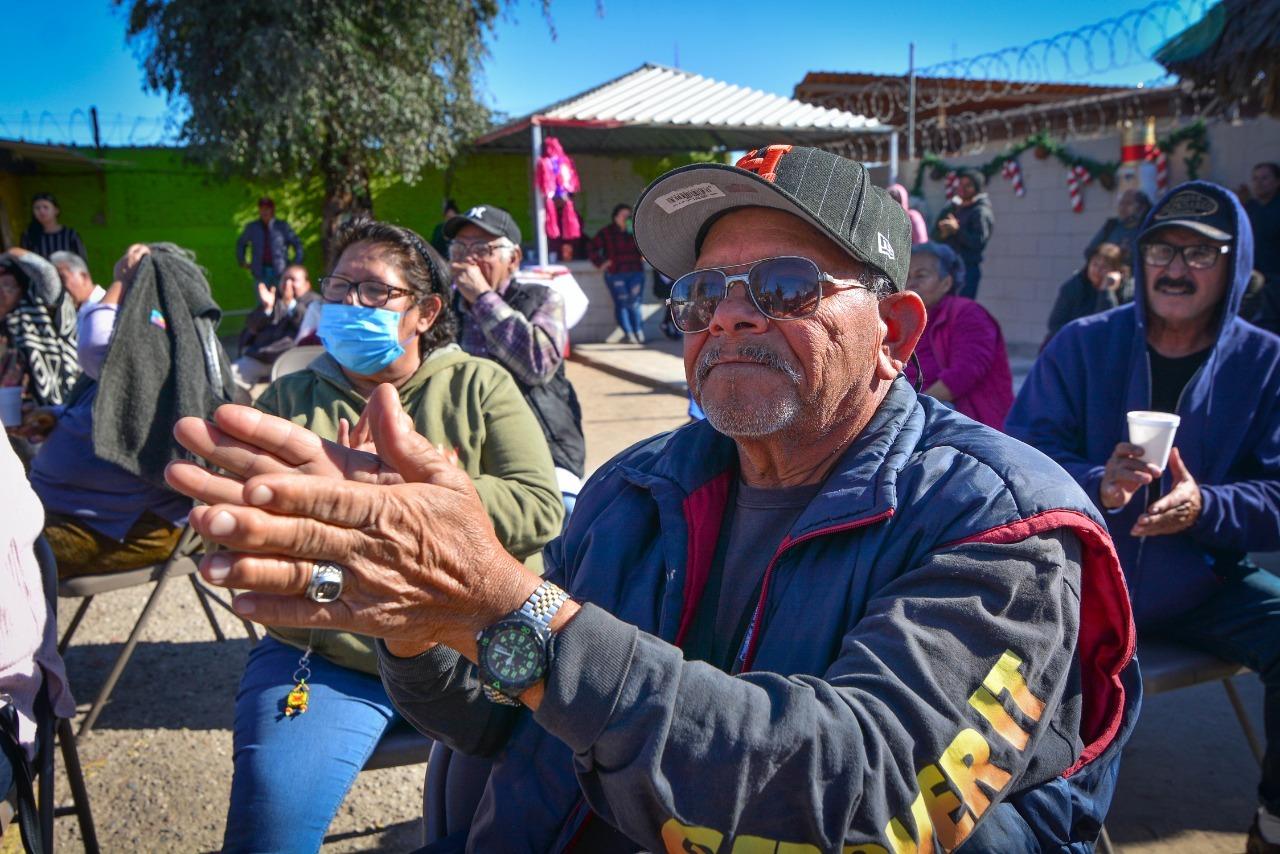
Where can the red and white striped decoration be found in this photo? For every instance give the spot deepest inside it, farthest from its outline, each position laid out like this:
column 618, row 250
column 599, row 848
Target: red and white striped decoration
column 951, row 185
column 1077, row 177
column 1013, row 172
column 1159, row 158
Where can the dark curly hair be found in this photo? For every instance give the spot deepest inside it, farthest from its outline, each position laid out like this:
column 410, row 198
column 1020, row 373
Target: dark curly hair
column 421, row 266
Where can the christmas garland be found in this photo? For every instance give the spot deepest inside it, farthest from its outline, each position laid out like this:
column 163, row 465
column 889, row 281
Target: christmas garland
column 1194, row 135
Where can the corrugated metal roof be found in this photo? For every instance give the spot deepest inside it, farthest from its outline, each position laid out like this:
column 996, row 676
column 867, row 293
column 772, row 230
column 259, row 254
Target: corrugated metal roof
column 674, row 104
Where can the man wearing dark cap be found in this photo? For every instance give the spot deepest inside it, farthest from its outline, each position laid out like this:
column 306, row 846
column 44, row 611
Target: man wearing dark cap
column 270, row 240
column 834, row 616
column 1182, row 534
column 965, row 225
column 521, row 326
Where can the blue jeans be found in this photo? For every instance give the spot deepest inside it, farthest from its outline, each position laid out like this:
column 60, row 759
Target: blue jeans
column 627, row 289
column 1241, row 623
column 972, row 278
column 291, row 773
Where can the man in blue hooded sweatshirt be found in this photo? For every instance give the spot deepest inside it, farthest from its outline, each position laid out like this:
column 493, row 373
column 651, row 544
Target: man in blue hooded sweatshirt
column 1182, row 534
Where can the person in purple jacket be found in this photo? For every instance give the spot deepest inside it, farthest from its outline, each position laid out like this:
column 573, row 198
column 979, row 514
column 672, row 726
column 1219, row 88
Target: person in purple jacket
column 1183, row 534
column 833, row 616
column 962, row 357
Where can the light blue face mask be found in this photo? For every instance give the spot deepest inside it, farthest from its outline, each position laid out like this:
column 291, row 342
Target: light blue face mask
column 363, row 340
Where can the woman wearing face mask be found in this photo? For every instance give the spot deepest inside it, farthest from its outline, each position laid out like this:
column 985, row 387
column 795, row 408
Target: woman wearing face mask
column 45, row 235
column 385, row 319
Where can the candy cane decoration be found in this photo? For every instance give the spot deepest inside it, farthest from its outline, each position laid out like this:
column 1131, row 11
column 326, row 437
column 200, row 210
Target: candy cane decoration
column 950, row 185
column 1074, row 180
column 1162, row 168
column 1013, row 172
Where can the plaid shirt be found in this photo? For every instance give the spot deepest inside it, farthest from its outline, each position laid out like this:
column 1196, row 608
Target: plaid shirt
column 617, row 245
column 531, row 348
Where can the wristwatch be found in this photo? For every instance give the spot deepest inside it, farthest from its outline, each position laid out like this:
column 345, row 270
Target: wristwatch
column 515, row 652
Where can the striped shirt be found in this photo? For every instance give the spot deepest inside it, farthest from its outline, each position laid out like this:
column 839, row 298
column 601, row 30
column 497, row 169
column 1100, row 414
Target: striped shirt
column 44, row 244
column 531, row 348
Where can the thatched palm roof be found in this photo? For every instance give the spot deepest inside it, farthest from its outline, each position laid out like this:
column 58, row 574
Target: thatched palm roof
column 1234, row 50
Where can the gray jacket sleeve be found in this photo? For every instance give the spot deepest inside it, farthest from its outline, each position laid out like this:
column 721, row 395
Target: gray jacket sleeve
column 939, row 697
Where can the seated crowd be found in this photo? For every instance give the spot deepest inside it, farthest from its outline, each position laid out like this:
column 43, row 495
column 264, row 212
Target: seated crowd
column 858, row 607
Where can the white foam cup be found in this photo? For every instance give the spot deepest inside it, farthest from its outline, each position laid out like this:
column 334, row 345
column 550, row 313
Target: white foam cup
column 1154, row 432
column 11, row 406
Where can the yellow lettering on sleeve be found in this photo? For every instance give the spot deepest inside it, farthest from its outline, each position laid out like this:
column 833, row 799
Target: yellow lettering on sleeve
column 967, row 762
column 942, row 804
column 900, row 839
column 989, row 706
column 760, row 845
column 1005, row 676
column 684, row 839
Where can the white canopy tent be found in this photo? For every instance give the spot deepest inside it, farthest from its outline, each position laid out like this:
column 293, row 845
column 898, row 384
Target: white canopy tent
column 656, row 109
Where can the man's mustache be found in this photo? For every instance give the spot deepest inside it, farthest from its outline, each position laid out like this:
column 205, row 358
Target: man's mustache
column 754, row 353
column 1176, row 286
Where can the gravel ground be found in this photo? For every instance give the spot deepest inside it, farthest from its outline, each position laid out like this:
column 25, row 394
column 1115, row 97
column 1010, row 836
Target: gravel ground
column 158, row 764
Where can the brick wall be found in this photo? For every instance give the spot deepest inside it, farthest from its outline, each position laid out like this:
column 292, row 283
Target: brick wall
column 1038, row 241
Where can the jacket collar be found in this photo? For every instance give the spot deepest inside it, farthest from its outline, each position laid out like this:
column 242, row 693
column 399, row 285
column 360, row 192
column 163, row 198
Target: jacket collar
column 861, row 485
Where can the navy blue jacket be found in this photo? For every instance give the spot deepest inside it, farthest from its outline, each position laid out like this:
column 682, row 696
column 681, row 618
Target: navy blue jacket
column 941, row 654
column 1073, row 407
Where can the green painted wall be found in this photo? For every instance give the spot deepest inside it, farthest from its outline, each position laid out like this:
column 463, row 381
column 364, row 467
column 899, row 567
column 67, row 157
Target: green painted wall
column 154, row 194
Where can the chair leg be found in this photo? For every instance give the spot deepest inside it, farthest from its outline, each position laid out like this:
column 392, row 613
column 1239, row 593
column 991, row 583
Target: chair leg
column 79, row 794
column 75, row 624
column 202, row 595
column 116, row 669
column 1242, row 715
column 1104, row 842
column 249, row 628
column 44, row 791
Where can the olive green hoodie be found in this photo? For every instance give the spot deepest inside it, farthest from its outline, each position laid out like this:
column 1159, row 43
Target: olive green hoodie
column 460, row 402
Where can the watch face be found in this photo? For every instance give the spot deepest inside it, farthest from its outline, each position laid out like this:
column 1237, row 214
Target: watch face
column 513, row 654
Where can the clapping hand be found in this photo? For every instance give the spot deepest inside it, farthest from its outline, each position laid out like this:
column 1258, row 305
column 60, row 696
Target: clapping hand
column 422, row 564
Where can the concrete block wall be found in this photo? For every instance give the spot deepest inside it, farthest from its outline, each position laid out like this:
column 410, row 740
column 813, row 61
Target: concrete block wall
column 1039, row 242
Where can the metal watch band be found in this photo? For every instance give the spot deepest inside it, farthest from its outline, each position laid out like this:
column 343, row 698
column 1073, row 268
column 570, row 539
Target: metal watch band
column 543, row 603
column 493, row 695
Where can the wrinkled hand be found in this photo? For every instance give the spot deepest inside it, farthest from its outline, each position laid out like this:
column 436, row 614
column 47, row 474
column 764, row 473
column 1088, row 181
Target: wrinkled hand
column 266, row 297
column 469, row 280
column 1125, row 474
column 1175, row 511
column 127, row 267
column 423, row 564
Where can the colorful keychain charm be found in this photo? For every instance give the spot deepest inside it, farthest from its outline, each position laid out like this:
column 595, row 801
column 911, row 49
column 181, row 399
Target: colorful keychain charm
column 298, row 699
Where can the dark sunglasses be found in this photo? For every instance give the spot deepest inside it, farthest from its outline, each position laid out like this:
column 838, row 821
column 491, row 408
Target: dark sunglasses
column 784, row 288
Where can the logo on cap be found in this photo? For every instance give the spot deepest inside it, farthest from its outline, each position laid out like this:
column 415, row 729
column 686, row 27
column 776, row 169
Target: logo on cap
column 766, row 164
column 1188, row 203
column 885, row 247
column 477, row 212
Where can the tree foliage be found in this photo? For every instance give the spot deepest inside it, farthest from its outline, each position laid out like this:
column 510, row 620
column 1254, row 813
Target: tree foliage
column 341, row 89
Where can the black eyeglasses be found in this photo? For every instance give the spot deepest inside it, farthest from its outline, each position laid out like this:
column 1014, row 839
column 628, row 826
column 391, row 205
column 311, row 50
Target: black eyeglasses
column 784, row 288
column 372, row 294
column 1201, row 256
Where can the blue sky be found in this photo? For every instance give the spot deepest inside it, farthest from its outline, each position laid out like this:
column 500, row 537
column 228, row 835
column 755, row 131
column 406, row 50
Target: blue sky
column 83, row 60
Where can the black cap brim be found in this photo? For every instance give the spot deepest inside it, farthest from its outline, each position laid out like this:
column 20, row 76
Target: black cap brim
column 455, row 224
column 1198, row 227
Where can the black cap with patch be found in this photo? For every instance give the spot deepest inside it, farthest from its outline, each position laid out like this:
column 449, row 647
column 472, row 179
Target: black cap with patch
column 490, row 218
column 831, row 193
column 1190, row 207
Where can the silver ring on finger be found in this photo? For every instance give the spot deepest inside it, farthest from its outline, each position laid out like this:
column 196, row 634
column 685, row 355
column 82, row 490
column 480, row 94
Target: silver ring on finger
column 326, row 582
